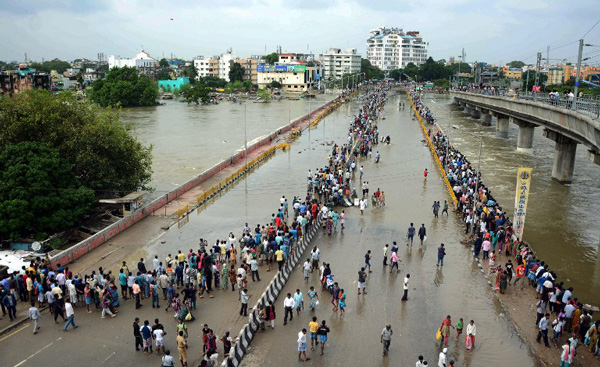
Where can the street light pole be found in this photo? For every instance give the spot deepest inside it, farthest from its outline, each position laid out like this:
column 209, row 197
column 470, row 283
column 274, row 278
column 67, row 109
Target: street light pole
column 245, row 137
column 578, row 77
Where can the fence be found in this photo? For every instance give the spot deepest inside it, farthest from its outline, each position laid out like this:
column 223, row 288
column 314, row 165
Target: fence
column 80, row 249
column 434, row 153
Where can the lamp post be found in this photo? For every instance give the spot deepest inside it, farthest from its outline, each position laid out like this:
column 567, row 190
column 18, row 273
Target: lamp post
column 245, row 137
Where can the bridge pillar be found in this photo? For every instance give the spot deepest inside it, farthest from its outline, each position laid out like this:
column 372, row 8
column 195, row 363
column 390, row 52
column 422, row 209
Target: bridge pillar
column 487, row 117
column 467, row 108
column 594, row 156
column 475, row 113
column 525, row 138
column 564, row 156
column 502, row 126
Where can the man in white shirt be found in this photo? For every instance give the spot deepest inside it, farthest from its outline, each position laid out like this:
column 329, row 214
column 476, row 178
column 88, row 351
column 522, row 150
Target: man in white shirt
column 442, row 358
column 158, row 334
column 421, row 363
column 472, row 331
column 288, row 305
column 307, row 269
column 405, row 286
column 155, row 262
column 70, row 316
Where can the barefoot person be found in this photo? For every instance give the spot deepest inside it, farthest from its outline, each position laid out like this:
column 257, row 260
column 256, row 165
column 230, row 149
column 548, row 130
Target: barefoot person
column 322, row 332
column 302, row 346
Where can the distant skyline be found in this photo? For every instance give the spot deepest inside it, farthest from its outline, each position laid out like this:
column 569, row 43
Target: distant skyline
column 490, row 31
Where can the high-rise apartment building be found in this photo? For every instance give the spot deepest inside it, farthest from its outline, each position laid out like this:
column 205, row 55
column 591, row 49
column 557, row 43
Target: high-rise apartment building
column 392, row 48
column 337, row 62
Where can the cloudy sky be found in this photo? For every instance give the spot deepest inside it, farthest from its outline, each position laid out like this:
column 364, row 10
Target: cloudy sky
column 489, row 30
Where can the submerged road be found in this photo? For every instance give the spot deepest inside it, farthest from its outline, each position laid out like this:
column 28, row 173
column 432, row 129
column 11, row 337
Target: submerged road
column 458, row 289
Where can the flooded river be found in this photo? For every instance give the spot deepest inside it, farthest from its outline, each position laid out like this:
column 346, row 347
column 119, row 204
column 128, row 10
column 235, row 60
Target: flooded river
column 561, row 220
column 188, row 139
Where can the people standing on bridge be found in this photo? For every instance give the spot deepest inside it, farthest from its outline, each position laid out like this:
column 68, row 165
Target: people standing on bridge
column 422, row 234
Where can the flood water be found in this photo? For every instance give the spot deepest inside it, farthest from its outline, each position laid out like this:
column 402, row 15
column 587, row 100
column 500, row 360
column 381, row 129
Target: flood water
column 457, row 289
column 561, row 220
column 189, row 139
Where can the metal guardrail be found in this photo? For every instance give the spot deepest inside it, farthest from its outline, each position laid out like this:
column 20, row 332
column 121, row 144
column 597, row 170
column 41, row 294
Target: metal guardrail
column 587, row 105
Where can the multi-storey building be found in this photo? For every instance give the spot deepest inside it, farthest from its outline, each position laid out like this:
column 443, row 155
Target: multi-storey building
column 206, row 66
column 250, row 65
column 392, row 48
column 225, row 64
column 294, row 78
column 337, row 62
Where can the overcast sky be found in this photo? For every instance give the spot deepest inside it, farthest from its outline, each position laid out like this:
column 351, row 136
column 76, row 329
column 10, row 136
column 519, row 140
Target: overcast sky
column 489, row 30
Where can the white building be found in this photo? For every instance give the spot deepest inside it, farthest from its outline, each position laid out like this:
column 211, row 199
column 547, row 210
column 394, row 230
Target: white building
column 294, row 78
column 337, row 62
column 207, row 66
column 392, row 48
column 143, row 61
column 225, row 64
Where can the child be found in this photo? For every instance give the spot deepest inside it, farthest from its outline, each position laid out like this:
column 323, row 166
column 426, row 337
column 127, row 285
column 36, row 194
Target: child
column 459, row 328
column 342, row 302
column 469, row 342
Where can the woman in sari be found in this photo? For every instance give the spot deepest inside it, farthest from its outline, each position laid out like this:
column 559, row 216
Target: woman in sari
column 313, row 297
column 186, row 312
column 498, row 271
column 232, row 277
column 503, row 280
column 576, row 316
column 176, row 304
column 445, row 329
column 593, row 336
column 113, row 293
column 224, row 277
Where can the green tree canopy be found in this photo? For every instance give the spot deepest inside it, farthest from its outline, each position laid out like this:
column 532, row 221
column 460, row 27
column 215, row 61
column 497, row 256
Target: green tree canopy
column 530, row 74
column 432, row 70
column 264, row 94
column 271, row 58
column 515, row 64
column 196, row 93
column 39, row 193
column 274, row 84
column 370, row 71
column 103, row 154
column 236, row 72
column 163, row 63
column 124, row 87
column 396, row 74
column 248, row 85
column 163, row 74
column 191, row 72
column 463, row 66
column 411, row 70
column 59, row 65
column 212, row 81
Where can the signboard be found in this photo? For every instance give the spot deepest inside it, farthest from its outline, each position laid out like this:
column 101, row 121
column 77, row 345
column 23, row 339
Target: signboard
column 263, row 68
column 521, row 197
column 536, row 88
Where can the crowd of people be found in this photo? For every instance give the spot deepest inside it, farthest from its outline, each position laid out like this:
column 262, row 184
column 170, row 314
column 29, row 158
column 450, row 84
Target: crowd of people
column 507, row 257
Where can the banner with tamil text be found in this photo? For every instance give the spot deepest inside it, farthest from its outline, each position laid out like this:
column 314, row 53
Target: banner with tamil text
column 521, row 197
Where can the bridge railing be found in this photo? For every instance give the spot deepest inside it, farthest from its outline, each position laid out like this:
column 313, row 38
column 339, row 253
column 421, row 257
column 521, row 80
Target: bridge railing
column 587, row 104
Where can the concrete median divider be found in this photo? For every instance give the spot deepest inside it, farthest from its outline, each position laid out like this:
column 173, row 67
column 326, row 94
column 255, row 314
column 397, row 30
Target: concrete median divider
column 270, row 294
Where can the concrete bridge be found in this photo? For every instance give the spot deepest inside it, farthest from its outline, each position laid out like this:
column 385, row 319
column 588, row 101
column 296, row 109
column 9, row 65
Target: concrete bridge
column 565, row 127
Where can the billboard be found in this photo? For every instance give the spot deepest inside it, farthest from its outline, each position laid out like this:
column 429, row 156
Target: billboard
column 263, row 68
column 521, row 198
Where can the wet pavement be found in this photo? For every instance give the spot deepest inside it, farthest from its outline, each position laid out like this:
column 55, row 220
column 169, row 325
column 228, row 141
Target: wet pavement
column 561, row 219
column 457, row 289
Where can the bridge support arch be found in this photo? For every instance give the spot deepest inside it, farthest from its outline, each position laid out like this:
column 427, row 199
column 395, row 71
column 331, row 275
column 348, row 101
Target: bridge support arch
column 564, row 156
column 487, row 117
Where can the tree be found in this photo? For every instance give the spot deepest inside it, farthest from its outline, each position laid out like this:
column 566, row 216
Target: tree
column 264, row 94
column 274, row 84
column 59, row 65
column 103, row 154
column 271, row 58
column 396, row 74
column 442, row 83
column 39, row 194
column 212, row 81
column 516, row 64
column 236, row 72
column 248, row 85
column 432, row 70
column 195, row 93
column 163, row 63
column 163, row 74
column 191, row 72
column 124, row 87
column 370, row 71
column 80, row 78
column 530, row 74
column 411, row 70
column 462, row 66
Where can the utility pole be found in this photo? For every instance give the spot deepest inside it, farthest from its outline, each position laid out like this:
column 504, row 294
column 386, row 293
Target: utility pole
column 548, row 59
column 577, row 76
column 537, row 69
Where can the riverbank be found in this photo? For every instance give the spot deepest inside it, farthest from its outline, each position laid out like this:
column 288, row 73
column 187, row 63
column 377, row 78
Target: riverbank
column 520, row 305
